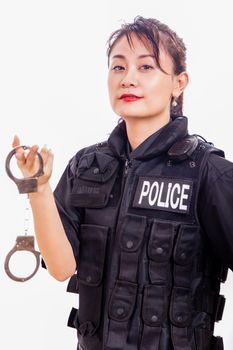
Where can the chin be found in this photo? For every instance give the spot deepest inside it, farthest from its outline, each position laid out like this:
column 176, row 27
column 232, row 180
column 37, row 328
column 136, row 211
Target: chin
column 132, row 117
column 131, row 114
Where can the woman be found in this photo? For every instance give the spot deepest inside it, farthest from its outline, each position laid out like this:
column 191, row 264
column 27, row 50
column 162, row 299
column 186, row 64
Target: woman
column 145, row 217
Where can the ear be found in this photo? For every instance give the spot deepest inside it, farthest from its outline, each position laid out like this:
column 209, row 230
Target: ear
column 180, row 82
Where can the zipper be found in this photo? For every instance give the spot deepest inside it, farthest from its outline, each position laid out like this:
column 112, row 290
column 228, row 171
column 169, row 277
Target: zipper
column 128, row 165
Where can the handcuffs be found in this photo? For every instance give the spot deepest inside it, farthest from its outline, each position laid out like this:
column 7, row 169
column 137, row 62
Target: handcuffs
column 23, row 243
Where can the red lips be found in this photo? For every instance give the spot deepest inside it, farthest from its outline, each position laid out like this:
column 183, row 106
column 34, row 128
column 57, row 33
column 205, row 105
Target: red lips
column 129, row 97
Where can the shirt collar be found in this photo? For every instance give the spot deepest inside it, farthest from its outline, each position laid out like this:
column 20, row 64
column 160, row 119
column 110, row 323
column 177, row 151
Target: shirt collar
column 159, row 142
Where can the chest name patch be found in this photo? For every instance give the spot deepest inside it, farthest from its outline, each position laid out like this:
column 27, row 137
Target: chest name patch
column 167, row 194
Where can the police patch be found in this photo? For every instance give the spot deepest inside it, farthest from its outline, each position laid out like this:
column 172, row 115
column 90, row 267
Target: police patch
column 167, row 194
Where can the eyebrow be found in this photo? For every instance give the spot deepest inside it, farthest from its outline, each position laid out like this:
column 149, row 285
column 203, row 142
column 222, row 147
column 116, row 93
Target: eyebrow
column 141, row 56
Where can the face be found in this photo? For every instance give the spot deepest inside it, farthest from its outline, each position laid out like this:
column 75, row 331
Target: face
column 137, row 87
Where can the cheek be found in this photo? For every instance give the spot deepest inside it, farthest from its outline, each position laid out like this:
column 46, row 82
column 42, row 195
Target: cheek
column 110, row 89
column 111, row 85
column 159, row 86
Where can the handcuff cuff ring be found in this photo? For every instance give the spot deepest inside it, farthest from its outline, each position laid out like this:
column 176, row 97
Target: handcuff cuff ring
column 28, row 184
column 25, row 243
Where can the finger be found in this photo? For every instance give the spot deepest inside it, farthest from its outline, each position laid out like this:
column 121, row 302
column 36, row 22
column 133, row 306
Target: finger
column 48, row 166
column 20, row 156
column 31, row 157
column 16, row 141
column 50, row 159
column 44, row 153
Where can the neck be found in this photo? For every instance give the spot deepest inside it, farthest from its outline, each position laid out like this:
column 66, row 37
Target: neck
column 139, row 129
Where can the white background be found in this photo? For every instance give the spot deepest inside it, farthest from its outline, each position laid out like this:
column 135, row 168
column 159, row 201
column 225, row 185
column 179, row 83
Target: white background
column 53, row 91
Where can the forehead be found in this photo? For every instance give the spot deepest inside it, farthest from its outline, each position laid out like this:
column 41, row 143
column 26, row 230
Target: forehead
column 134, row 45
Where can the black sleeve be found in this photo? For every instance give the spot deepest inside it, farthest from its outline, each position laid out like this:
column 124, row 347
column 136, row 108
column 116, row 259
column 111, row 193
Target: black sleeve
column 215, row 207
column 70, row 215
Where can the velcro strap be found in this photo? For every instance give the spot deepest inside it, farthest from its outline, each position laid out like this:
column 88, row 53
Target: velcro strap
column 217, row 343
column 220, row 307
column 150, row 338
column 72, row 320
column 222, row 273
column 72, row 286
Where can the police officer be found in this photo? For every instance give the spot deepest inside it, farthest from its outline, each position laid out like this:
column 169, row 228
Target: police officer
column 142, row 223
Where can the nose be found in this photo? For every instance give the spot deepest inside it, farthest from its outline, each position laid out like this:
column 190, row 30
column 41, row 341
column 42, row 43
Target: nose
column 127, row 84
column 129, row 79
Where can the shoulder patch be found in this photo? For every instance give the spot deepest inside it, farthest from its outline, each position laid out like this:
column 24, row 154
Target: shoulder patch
column 163, row 193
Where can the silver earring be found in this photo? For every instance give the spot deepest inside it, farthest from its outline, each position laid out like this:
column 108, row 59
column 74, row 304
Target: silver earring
column 174, row 102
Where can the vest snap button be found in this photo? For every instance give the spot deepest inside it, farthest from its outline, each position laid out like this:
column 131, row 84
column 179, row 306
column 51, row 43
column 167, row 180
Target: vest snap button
column 159, row 250
column 129, row 244
column 183, row 256
column 96, row 171
column 179, row 318
column 154, row 318
column 120, row 311
column 111, row 195
column 88, row 279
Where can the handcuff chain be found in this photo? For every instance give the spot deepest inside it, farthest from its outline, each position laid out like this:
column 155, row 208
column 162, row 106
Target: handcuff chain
column 26, row 219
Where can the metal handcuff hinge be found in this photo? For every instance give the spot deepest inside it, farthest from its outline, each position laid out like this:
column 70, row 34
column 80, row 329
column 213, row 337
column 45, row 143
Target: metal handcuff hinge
column 23, row 243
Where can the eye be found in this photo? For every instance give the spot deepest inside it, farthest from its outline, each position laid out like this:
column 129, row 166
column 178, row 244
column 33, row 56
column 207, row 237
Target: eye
column 146, row 67
column 117, row 68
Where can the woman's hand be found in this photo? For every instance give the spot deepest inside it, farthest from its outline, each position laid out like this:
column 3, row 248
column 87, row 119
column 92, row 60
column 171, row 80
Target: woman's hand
column 28, row 161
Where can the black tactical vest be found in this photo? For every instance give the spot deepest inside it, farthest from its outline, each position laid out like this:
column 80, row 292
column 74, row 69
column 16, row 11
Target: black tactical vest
column 147, row 278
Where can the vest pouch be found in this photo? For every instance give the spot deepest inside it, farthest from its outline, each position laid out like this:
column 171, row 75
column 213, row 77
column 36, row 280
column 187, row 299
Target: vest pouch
column 159, row 250
column 154, row 310
column 121, row 307
column 94, row 180
column 181, row 307
column 185, row 254
column 132, row 232
column 187, row 244
column 93, row 239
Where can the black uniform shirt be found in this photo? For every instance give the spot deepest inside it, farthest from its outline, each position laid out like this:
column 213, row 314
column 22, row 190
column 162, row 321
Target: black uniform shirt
column 215, row 206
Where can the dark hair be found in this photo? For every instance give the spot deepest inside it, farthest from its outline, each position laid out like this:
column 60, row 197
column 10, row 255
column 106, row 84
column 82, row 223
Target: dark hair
column 152, row 31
